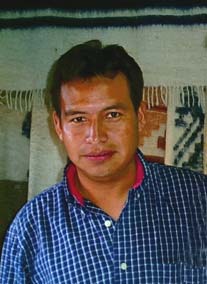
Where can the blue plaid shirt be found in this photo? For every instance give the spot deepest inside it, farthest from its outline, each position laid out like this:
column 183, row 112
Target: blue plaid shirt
column 160, row 237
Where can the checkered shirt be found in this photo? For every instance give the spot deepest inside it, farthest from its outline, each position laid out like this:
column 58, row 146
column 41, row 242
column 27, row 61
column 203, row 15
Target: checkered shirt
column 160, row 237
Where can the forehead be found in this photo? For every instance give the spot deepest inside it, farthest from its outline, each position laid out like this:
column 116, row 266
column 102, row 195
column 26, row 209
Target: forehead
column 96, row 88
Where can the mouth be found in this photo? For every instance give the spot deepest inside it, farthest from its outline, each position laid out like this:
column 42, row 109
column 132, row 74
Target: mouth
column 100, row 156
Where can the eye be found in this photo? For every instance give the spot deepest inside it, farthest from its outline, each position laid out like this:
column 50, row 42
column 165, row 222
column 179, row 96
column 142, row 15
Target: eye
column 79, row 119
column 113, row 114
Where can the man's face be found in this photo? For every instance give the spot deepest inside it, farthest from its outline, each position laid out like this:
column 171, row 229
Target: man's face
column 98, row 126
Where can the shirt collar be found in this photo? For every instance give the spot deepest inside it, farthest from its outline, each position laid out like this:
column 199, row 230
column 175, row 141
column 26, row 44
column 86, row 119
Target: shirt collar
column 71, row 172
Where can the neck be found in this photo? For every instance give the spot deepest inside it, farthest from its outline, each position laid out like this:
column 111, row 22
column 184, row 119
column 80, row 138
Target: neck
column 109, row 194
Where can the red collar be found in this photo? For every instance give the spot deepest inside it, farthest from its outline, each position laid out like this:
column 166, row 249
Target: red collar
column 71, row 173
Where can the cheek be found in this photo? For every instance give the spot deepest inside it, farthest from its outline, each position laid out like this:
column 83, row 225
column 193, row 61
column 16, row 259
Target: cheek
column 72, row 136
column 130, row 128
column 67, row 132
column 126, row 134
column 130, row 134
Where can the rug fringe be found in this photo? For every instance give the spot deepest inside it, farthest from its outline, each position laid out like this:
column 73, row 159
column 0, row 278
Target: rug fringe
column 22, row 100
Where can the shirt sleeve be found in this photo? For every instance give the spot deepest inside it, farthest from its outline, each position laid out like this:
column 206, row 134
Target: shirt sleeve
column 12, row 265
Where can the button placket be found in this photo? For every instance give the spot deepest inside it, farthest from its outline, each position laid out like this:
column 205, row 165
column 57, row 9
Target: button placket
column 123, row 266
column 108, row 223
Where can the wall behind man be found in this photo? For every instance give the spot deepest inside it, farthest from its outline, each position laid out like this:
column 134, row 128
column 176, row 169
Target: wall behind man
column 169, row 44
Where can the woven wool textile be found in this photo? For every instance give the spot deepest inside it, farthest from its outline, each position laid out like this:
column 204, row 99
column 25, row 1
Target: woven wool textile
column 185, row 129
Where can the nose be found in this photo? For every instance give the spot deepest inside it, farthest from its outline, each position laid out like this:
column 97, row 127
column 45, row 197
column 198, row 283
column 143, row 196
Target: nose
column 96, row 132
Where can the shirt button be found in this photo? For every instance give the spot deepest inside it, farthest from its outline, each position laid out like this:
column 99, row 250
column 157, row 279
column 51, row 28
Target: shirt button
column 123, row 266
column 108, row 223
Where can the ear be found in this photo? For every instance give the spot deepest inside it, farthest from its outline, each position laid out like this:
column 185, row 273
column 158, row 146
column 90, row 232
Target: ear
column 57, row 125
column 141, row 115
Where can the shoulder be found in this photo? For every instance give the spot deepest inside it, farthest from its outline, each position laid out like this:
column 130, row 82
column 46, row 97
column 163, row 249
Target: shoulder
column 36, row 211
column 44, row 201
column 176, row 173
column 173, row 176
column 29, row 227
column 177, row 176
column 167, row 179
column 178, row 185
column 35, row 221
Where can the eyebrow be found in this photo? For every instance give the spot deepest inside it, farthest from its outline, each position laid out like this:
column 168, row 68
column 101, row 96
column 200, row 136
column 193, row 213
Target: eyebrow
column 115, row 106
column 71, row 112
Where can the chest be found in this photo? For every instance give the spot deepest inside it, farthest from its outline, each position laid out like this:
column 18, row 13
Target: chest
column 152, row 242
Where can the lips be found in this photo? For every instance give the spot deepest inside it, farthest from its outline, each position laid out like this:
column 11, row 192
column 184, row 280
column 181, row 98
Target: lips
column 99, row 156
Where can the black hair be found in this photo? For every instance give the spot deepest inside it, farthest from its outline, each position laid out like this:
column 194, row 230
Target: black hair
column 92, row 59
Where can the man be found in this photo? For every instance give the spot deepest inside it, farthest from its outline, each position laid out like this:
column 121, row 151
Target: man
column 114, row 218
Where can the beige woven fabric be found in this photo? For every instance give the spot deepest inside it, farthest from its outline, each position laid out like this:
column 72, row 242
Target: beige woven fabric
column 47, row 156
column 14, row 147
column 169, row 55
